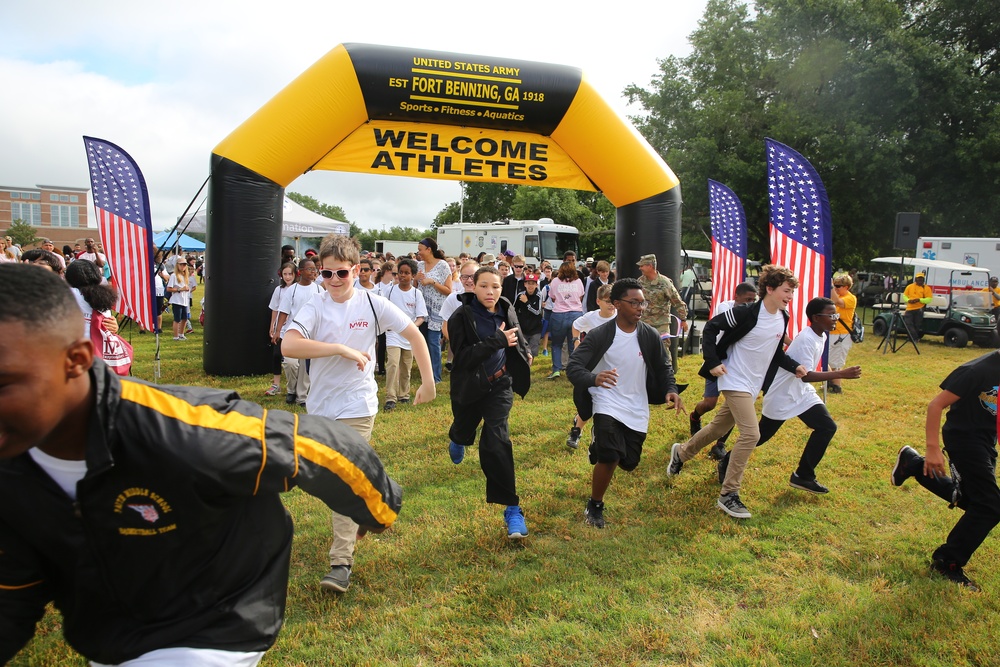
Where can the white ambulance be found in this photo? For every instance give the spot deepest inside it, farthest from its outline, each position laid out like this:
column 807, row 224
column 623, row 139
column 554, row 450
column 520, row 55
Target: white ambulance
column 536, row 240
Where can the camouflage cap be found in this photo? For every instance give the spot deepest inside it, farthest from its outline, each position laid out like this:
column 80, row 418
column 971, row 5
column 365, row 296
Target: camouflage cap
column 646, row 259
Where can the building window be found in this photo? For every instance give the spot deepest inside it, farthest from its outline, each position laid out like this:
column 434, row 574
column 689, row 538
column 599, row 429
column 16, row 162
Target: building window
column 37, row 196
column 73, row 199
column 65, row 216
column 64, row 198
column 15, row 195
column 53, row 197
column 29, row 213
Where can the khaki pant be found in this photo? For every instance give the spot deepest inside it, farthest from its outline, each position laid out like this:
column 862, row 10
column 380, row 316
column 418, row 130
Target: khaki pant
column 738, row 409
column 398, row 366
column 345, row 531
column 297, row 377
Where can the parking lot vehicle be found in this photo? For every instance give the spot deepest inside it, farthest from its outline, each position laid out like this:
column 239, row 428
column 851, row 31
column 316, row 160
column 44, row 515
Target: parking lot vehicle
column 959, row 315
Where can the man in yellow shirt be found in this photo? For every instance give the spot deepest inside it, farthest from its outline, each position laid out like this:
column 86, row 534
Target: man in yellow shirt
column 917, row 295
column 840, row 337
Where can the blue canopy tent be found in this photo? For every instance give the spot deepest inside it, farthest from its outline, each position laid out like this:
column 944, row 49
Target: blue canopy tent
column 186, row 242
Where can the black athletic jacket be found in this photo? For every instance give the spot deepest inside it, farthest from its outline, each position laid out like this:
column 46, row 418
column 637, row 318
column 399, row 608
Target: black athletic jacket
column 583, row 361
column 178, row 536
column 468, row 380
column 734, row 324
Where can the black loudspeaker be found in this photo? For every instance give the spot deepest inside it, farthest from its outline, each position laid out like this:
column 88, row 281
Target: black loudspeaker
column 907, row 231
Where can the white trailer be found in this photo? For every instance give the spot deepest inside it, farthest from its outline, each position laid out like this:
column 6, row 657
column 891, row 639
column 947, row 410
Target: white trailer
column 536, row 240
column 397, row 248
column 979, row 252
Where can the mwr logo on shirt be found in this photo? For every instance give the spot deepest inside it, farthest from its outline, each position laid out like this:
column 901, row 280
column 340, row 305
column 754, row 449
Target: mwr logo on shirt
column 359, row 324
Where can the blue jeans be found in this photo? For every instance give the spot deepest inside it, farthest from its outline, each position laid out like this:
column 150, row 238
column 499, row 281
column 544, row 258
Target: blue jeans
column 434, row 347
column 560, row 326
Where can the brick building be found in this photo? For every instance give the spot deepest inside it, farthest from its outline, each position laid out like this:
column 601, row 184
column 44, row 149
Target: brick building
column 56, row 212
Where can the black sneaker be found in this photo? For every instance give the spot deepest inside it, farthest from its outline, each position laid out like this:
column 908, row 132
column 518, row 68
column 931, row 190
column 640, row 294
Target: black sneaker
column 337, row 580
column 722, row 467
column 404, row 400
column 695, row 420
column 908, row 461
column 834, row 389
column 954, row 572
column 573, row 441
column 718, row 451
column 733, row 506
column 810, row 485
column 594, row 513
column 674, row 468
column 389, row 406
column 290, row 399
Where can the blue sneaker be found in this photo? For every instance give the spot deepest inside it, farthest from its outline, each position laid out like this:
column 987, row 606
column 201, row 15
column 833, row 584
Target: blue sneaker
column 457, row 452
column 514, row 518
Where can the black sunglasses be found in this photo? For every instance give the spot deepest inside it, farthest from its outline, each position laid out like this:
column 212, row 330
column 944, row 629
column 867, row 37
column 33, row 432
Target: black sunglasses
column 343, row 274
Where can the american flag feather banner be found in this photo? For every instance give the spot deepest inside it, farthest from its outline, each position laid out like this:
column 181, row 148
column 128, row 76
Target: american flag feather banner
column 729, row 242
column 121, row 203
column 800, row 227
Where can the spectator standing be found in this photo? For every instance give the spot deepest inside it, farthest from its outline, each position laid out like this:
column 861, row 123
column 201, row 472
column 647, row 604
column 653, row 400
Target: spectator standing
column 840, row 338
column 661, row 294
column 92, row 254
column 566, row 292
column 179, row 288
column 293, row 300
column 49, row 246
column 287, row 277
column 917, row 296
column 434, row 281
column 398, row 355
column 689, row 280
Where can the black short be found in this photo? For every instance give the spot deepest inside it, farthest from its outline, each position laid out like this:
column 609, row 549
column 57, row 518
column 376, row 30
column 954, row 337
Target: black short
column 614, row 442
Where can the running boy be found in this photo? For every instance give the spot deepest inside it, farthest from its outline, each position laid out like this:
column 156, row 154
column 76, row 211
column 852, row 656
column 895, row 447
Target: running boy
column 745, row 360
column 970, row 438
column 618, row 371
column 150, row 515
column 790, row 396
column 605, row 312
column 491, row 363
column 337, row 330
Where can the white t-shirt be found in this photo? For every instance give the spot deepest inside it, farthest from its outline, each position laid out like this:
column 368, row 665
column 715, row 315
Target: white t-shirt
column 410, row 302
column 590, row 320
column 358, row 285
column 723, row 307
column 626, row 401
column 197, row 657
column 339, row 390
column 293, row 298
column 65, row 473
column 87, row 311
column 750, row 356
column 275, row 298
column 450, row 305
column 180, row 298
column 788, row 396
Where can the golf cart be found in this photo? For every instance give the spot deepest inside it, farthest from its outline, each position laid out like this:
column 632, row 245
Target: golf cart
column 958, row 312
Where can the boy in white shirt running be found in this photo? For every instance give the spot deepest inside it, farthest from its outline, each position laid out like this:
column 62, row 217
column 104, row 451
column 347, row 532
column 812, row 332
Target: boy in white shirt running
column 337, row 330
column 790, row 396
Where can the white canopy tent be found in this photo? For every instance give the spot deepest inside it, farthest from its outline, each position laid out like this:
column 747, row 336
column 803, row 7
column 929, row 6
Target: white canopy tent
column 297, row 222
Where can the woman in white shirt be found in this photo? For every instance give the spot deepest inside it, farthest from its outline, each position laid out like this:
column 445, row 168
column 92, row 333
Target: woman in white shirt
column 179, row 288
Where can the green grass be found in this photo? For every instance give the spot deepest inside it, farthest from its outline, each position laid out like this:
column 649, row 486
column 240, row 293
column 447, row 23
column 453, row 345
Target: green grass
column 834, row 580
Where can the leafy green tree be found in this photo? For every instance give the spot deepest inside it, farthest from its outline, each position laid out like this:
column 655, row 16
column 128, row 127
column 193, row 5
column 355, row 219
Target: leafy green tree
column 893, row 101
column 22, row 233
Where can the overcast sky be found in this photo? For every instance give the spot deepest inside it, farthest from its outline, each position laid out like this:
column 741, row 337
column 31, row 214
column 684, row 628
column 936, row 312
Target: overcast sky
column 168, row 81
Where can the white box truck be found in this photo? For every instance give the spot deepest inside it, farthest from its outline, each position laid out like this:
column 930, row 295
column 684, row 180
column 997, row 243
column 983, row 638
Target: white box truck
column 534, row 239
column 980, row 252
column 397, row 248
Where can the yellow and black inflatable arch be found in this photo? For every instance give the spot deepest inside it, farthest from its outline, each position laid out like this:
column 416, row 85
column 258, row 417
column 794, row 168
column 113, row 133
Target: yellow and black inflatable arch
column 410, row 112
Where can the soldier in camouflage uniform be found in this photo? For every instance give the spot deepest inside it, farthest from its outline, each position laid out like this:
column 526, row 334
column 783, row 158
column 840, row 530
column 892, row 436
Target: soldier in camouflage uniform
column 661, row 294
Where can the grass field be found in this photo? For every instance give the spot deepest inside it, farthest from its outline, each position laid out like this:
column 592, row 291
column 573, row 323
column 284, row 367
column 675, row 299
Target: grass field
column 840, row 579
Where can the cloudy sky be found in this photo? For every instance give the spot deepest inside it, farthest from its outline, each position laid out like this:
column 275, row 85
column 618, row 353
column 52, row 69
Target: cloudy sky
column 168, row 81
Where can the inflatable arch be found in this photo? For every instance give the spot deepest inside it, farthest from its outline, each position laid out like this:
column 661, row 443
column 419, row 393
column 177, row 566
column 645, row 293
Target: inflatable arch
column 409, row 112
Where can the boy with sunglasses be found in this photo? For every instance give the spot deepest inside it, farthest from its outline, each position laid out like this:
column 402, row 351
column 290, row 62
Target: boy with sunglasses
column 337, row 330
column 790, row 396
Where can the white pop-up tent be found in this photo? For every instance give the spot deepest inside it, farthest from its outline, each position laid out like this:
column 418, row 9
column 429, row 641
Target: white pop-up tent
column 297, row 222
